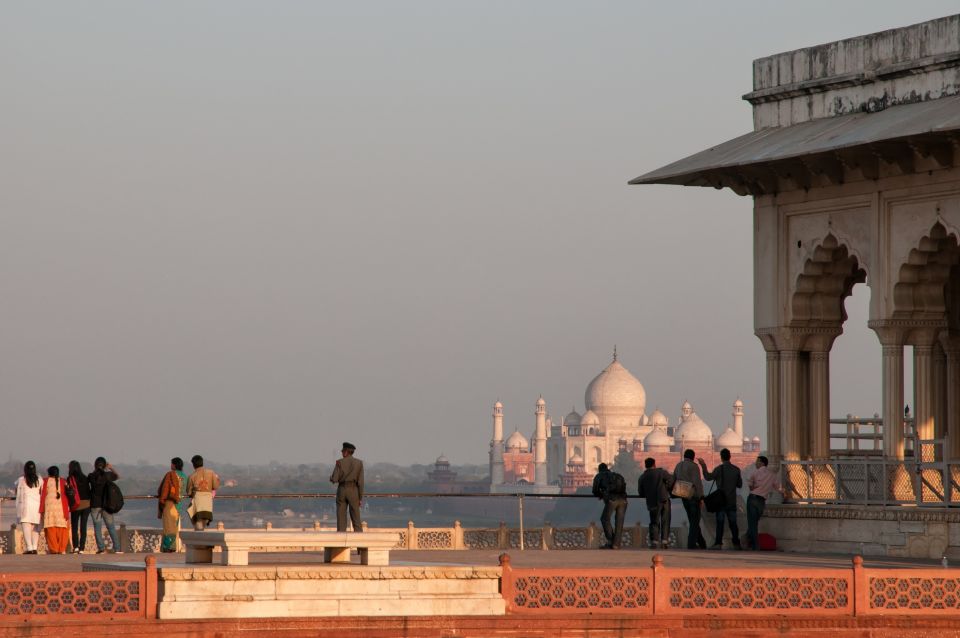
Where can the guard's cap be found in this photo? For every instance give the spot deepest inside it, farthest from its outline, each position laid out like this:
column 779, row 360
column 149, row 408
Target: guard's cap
column 349, row 446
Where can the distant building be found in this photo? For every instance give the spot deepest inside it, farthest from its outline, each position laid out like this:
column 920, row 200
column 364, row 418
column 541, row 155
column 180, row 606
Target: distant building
column 566, row 455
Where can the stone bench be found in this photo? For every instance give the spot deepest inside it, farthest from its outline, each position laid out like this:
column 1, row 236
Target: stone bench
column 374, row 547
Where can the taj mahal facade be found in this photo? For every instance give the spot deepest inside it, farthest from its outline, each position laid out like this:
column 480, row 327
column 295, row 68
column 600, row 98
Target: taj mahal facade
column 563, row 457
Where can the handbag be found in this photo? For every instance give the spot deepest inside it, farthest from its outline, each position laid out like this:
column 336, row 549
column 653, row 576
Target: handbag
column 716, row 500
column 682, row 489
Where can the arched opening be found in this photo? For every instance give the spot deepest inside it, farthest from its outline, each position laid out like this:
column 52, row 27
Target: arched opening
column 819, row 316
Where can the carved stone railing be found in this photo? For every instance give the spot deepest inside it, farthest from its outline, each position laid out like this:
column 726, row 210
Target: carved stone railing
column 145, row 540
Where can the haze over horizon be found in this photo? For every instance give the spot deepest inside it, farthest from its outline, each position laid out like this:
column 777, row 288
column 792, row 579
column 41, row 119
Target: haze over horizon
column 255, row 230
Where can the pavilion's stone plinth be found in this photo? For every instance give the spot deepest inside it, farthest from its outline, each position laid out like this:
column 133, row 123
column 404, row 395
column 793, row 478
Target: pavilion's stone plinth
column 901, row 532
column 214, row 591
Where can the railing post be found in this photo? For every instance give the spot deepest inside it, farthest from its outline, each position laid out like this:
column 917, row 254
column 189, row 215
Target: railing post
column 150, row 588
column 503, row 536
column 546, row 536
column 661, row 589
column 16, row 539
column 861, row 592
column 219, row 526
column 411, row 535
column 591, row 534
column 268, row 525
column 506, row 581
column 638, row 536
column 457, row 535
column 125, row 544
column 316, row 526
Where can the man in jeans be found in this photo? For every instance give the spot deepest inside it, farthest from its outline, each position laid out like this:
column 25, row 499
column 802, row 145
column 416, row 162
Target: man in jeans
column 612, row 490
column 761, row 483
column 654, row 485
column 688, row 471
column 102, row 474
column 728, row 479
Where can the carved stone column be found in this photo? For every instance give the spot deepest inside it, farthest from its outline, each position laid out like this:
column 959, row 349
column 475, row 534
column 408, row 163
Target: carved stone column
column 939, row 391
column 891, row 339
column 791, row 415
column 820, row 405
column 774, row 449
column 951, row 347
column 923, row 390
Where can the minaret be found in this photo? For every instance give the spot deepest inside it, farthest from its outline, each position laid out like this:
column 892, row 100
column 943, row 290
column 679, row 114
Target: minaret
column 496, row 451
column 738, row 417
column 540, row 446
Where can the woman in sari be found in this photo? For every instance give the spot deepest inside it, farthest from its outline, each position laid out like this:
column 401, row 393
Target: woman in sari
column 168, row 496
column 55, row 508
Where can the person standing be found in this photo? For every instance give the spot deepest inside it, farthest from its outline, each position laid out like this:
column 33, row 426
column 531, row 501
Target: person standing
column 79, row 506
column 611, row 488
column 348, row 475
column 654, row 485
column 201, row 487
column 178, row 468
column 761, row 483
column 55, row 510
column 168, row 501
column 102, row 474
column 28, row 507
column 687, row 470
column 728, row 479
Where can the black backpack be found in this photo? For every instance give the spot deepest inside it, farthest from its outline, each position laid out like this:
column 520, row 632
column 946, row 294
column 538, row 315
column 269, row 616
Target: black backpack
column 112, row 498
column 617, row 486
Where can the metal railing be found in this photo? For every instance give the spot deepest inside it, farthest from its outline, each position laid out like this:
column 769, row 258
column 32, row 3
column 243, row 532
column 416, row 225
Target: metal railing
column 925, row 479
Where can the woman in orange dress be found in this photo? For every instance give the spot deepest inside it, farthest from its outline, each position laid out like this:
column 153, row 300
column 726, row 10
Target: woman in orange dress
column 55, row 509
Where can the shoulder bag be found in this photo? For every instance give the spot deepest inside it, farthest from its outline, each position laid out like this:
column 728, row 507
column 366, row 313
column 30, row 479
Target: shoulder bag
column 716, row 500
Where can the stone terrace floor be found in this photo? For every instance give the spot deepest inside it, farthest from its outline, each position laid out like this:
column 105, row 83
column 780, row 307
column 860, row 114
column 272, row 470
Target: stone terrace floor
column 590, row 559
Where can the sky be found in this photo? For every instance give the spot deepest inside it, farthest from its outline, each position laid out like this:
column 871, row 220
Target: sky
column 253, row 230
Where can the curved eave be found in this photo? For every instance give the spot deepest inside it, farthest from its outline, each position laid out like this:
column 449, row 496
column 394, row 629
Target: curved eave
column 756, row 163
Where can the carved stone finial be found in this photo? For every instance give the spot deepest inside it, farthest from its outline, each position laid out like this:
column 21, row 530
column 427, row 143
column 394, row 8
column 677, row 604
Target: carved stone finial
column 504, row 560
column 657, row 560
column 614, row 352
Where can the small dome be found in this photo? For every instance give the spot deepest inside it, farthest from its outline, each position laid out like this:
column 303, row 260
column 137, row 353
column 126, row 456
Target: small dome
column 576, row 459
column 540, row 401
column 729, row 439
column 659, row 419
column 442, row 460
column 746, row 439
column 657, row 438
column 498, row 405
column 590, row 418
column 738, row 403
column 755, row 439
column 693, row 429
column 572, row 419
column 517, row 441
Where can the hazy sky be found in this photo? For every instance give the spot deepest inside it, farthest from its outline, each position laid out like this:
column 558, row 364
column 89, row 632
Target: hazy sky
column 255, row 229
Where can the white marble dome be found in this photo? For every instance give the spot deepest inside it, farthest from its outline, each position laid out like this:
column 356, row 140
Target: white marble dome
column 657, row 439
column 517, row 441
column 729, row 439
column 659, row 419
column 616, row 396
column 573, row 418
column 693, row 430
column 590, row 418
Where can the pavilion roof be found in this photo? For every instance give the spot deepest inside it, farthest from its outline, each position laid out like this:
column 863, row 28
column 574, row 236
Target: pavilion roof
column 753, row 163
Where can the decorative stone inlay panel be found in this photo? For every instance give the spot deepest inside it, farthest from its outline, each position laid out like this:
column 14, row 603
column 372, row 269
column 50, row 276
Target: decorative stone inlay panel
column 73, row 596
column 922, row 594
column 481, row 539
column 402, row 543
column 532, row 538
column 435, row 539
column 570, row 538
column 862, row 513
column 582, row 593
column 352, row 572
column 145, row 540
column 782, row 593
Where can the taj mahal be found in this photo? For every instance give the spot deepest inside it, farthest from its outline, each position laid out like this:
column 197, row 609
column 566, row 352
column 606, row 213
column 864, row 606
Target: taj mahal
column 562, row 457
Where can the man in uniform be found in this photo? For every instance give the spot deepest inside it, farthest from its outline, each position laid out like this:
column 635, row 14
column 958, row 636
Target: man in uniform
column 348, row 475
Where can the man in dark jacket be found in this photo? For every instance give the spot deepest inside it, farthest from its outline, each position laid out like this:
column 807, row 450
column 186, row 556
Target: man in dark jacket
column 727, row 477
column 688, row 471
column 654, row 485
column 102, row 474
column 611, row 489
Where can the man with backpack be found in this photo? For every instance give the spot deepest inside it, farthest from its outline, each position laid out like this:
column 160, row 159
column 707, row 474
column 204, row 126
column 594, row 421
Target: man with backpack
column 654, row 485
column 105, row 501
column 611, row 488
